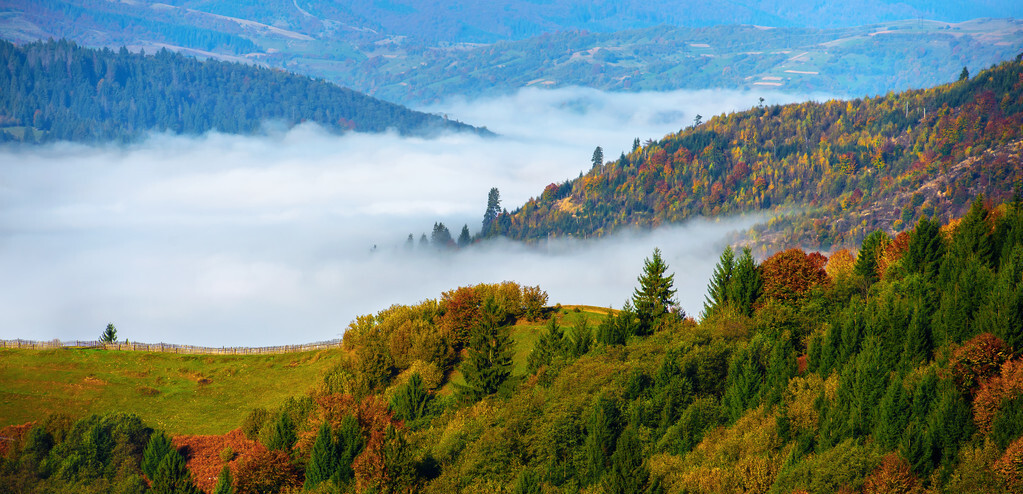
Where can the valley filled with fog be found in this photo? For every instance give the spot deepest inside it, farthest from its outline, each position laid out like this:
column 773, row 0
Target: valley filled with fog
column 225, row 240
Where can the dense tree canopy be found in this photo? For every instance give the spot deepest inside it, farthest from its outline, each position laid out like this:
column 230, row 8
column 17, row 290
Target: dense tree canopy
column 57, row 90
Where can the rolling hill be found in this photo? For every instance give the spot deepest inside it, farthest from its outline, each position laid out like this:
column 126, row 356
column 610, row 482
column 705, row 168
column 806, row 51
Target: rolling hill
column 58, row 90
column 840, row 168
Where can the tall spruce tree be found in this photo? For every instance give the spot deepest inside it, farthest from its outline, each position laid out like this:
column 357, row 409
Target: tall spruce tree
column 603, row 428
column 283, row 435
column 717, row 290
column 925, row 250
column 489, row 362
column 490, row 215
column 866, row 260
column 655, row 294
column 348, row 444
column 598, row 157
column 157, row 447
column 324, row 460
column 746, row 283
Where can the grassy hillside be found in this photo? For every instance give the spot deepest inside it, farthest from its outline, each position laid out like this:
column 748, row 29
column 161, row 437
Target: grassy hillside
column 181, row 394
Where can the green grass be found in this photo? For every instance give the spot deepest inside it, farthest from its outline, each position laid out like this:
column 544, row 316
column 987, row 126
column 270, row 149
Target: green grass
column 182, row 394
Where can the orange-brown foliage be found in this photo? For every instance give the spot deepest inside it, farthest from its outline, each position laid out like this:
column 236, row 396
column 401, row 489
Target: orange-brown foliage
column 978, row 359
column 461, row 311
column 891, row 253
column 11, row 435
column 369, row 466
column 1007, row 384
column 893, row 475
column 789, row 274
column 266, row 471
column 203, row 455
column 1010, row 466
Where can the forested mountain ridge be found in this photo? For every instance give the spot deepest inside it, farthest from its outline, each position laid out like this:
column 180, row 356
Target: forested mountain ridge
column 420, row 53
column 57, row 90
column 849, row 166
column 897, row 369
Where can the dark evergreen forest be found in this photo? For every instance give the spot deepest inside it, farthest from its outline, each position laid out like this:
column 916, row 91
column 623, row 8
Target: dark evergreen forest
column 57, row 90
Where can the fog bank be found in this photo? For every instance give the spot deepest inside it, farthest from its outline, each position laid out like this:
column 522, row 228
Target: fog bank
column 228, row 240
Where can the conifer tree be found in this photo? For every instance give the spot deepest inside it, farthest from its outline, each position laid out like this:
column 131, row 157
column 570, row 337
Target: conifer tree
column 655, row 294
column 602, row 432
column 324, row 461
column 224, row 482
column 109, row 334
column 157, row 447
column 409, row 403
column 746, row 283
column 173, row 477
column 717, row 290
column 283, row 436
column 892, row 416
column 919, row 342
column 598, row 157
column 464, row 238
column 440, row 238
column 551, row 345
column 349, row 444
column 866, row 260
column 627, row 474
column 582, row 338
column 925, row 250
column 493, row 209
column 489, row 362
column 973, row 233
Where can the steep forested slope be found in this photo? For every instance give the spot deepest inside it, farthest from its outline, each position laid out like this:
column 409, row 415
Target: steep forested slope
column 897, row 369
column 57, row 90
column 848, row 167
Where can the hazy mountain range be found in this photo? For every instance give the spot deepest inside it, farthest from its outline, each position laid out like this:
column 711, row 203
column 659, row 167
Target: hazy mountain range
column 420, row 52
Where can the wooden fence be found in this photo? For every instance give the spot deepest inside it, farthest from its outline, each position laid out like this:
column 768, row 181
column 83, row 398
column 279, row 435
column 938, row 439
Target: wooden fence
column 168, row 347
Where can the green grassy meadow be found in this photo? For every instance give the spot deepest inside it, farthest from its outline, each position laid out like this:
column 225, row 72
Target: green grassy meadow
column 188, row 394
column 182, row 394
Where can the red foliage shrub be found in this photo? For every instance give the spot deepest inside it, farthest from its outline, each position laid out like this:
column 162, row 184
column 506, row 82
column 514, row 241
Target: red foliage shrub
column 979, row 358
column 461, row 311
column 893, row 475
column 202, row 455
column 266, row 472
column 789, row 274
column 996, row 390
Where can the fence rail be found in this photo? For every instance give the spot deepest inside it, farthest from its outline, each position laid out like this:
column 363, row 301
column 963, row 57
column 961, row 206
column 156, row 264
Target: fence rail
column 169, row 347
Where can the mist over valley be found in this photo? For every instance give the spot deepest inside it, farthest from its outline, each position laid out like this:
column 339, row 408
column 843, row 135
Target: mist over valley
column 226, row 240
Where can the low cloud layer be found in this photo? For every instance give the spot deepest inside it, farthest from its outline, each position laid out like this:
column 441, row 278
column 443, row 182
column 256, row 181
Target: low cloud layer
column 229, row 240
